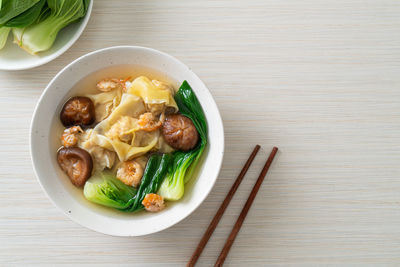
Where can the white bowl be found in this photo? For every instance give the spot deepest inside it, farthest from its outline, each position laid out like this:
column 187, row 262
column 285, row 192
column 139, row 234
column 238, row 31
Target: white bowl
column 12, row 57
column 45, row 134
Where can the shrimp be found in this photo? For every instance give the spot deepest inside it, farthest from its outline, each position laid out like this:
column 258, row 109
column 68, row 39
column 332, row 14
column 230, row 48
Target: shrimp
column 130, row 173
column 153, row 202
column 148, row 122
column 70, row 137
column 107, row 85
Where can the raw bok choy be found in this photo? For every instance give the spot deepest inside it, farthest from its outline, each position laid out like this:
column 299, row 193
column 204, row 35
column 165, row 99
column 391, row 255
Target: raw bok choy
column 184, row 163
column 36, row 23
column 28, row 17
column 41, row 36
column 13, row 8
column 4, row 31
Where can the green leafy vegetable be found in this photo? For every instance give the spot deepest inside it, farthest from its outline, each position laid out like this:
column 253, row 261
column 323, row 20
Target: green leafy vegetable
column 44, row 13
column 12, row 8
column 28, row 17
column 41, row 36
column 159, row 176
column 4, row 31
column 154, row 174
column 86, row 3
column 104, row 189
column 173, row 186
column 184, row 163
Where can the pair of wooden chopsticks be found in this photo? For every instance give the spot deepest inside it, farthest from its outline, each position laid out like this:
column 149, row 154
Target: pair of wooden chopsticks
column 224, row 205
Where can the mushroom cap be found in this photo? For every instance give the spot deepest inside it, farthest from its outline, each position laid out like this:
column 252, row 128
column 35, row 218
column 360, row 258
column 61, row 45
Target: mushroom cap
column 76, row 163
column 179, row 132
column 78, row 110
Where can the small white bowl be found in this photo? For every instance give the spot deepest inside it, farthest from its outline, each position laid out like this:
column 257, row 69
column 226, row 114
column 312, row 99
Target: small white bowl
column 12, row 57
column 44, row 141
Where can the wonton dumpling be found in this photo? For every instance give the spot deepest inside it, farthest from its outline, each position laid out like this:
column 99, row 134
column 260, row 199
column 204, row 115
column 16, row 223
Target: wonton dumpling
column 131, row 106
column 153, row 92
column 105, row 103
column 126, row 151
column 103, row 158
column 123, row 129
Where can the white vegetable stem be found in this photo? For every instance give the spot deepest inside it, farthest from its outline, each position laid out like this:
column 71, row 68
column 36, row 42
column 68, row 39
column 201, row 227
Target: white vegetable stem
column 4, row 31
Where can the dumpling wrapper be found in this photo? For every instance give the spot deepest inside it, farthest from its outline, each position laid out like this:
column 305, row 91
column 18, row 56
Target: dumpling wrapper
column 103, row 158
column 105, row 103
column 153, row 92
column 132, row 106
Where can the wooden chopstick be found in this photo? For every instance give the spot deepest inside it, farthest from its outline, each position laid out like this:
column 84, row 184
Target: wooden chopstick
column 221, row 210
column 243, row 213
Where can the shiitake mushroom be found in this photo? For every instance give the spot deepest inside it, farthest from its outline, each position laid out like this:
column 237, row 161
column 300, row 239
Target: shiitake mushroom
column 76, row 163
column 78, row 110
column 179, row 132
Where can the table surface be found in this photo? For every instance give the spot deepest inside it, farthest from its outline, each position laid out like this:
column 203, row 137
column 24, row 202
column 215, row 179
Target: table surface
column 318, row 79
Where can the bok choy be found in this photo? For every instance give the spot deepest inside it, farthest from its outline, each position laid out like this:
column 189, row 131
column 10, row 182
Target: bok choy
column 104, row 189
column 41, row 36
column 12, row 8
column 154, row 174
column 4, row 31
column 28, row 17
column 184, row 163
column 36, row 23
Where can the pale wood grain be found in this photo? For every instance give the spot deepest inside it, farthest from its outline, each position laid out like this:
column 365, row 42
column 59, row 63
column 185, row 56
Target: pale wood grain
column 319, row 79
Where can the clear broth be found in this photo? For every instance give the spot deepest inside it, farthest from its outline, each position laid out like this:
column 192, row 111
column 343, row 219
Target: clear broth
column 87, row 85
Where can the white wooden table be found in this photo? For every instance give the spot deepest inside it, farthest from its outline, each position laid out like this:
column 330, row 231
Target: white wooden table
column 319, row 79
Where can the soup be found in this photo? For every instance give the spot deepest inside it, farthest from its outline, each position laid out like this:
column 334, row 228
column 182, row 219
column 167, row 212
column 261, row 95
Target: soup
column 131, row 138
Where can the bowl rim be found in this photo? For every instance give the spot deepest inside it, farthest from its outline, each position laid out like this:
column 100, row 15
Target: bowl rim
column 84, row 21
column 35, row 119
